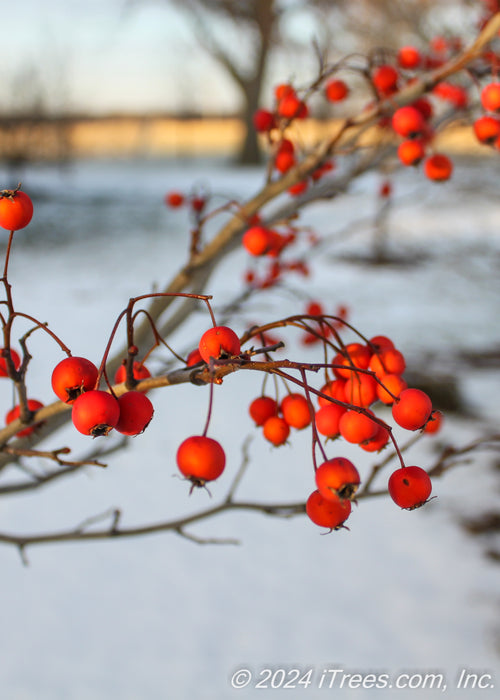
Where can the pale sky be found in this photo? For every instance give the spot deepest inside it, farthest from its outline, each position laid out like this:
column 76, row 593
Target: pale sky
column 91, row 55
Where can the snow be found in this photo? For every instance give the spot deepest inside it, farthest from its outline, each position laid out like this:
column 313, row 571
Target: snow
column 159, row 616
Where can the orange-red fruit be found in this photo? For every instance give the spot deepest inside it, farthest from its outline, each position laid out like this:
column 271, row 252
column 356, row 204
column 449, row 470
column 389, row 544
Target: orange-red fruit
column 284, row 160
column 438, row 167
column 337, row 478
column 411, row 152
column 3, row 363
column 72, row 376
column 263, row 120
column 95, row 413
column 385, row 79
column 408, row 121
column 136, row 412
column 327, row 419
column 174, row 199
column 487, row 129
column 336, row 90
column 335, row 389
column 490, row 97
column 296, row 411
column 412, row 409
column 193, row 358
column 262, row 408
column 14, row 413
column 409, row 57
column 276, row 430
column 357, row 427
column 219, row 341
column 388, row 361
column 355, row 354
column 381, row 342
column 410, row 487
column 139, row 371
column 331, row 513
column 393, row 385
column 378, row 441
column 361, row 389
column 257, row 240
column 434, row 423
column 201, row 459
column 16, row 211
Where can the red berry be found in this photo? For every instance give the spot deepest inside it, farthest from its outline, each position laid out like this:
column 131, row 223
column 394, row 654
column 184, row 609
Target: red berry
column 410, row 487
column 72, row 376
column 438, row 167
column 217, row 342
column 136, row 412
column 490, row 97
column 361, row 389
column 487, row 129
column 409, row 57
column 354, row 355
column 95, row 413
column 385, row 79
column 201, row 459
column 3, row 363
column 174, row 199
column 337, row 478
column 331, row 513
column 262, row 408
column 263, row 120
column 336, row 90
column 327, row 419
column 14, row 413
column 139, row 371
column 408, row 121
column 16, row 210
column 412, row 409
column 257, row 240
column 434, row 423
column 296, row 411
column 335, row 389
column 193, row 358
column 276, row 430
column 357, row 428
column 392, row 385
column 411, row 152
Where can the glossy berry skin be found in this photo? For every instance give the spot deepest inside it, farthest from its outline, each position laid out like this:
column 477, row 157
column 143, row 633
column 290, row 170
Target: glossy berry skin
column 14, row 413
column 331, row 513
column 410, row 487
column 16, row 210
column 201, row 459
column 337, row 477
column 217, row 342
column 72, row 376
column 490, row 97
column 262, row 408
column 276, row 430
column 385, row 79
column 136, row 412
column 3, row 364
column 193, row 358
column 295, row 410
column 139, row 371
column 95, row 413
column 412, row 409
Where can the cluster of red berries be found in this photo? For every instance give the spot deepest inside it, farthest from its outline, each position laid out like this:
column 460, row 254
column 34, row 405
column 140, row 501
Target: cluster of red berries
column 487, row 126
column 364, row 374
column 175, row 199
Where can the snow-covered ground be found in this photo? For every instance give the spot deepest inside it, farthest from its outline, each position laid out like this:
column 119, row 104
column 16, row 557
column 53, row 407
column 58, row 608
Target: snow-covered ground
column 161, row 617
